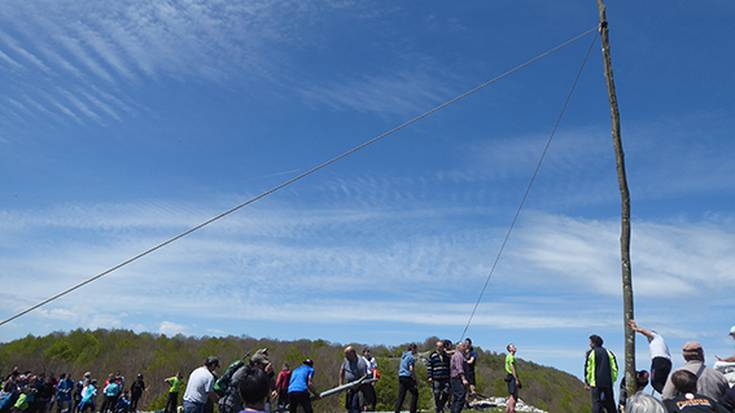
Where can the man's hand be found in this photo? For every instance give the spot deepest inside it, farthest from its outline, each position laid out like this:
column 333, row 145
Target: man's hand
column 633, row 325
column 465, row 382
column 587, row 387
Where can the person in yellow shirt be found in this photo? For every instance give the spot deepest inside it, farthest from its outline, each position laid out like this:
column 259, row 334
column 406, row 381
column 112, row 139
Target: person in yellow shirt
column 175, row 383
column 514, row 383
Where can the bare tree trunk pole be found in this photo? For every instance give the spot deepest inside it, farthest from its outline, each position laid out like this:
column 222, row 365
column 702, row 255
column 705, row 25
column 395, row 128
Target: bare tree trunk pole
column 625, row 205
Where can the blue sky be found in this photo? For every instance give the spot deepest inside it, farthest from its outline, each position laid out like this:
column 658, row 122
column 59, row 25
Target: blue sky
column 123, row 123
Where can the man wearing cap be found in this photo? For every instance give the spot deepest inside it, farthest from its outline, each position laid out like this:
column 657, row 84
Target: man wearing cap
column 301, row 384
column 710, row 382
column 231, row 401
column 200, row 386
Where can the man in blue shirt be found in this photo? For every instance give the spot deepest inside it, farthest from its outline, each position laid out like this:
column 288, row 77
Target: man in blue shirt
column 300, row 385
column 63, row 394
column 407, row 379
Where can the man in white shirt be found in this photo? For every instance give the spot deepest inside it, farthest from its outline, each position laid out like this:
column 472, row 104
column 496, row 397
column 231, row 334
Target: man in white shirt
column 660, row 356
column 200, row 387
column 371, row 398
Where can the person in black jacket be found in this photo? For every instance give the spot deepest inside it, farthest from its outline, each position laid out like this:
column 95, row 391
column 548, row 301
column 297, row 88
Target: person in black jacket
column 136, row 392
column 600, row 372
column 438, row 372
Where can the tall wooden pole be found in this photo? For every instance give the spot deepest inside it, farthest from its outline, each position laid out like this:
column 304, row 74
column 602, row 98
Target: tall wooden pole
column 625, row 205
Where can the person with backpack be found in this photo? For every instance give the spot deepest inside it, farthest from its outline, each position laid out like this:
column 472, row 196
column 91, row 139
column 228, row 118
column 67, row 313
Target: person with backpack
column 175, row 383
column 600, row 372
column 136, row 392
column 227, row 386
column 710, row 382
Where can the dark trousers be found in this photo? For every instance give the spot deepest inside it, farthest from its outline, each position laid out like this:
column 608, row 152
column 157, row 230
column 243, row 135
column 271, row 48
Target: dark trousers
column 63, row 406
column 603, row 399
column 407, row 384
column 441, row 389
column 371, row 398
column 282, row 399
column 352, row 401
column 109, row 404
column 459, row 393
column 134, row 403
column 660, row 369
column 299, row 398
column 172, row 404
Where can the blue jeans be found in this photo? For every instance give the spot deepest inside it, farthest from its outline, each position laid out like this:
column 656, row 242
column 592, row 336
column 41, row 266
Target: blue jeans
column 193, row 407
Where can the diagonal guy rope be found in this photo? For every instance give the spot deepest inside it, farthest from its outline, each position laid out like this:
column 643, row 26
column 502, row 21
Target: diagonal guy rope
column 530, row 184
column 309, row 172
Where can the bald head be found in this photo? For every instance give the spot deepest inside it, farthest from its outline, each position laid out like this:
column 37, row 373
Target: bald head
column 350, row 353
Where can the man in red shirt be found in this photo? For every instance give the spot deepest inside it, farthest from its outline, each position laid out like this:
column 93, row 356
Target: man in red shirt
column 282, row 380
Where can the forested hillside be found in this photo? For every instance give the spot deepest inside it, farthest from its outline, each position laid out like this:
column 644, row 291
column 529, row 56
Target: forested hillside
column 158, row 357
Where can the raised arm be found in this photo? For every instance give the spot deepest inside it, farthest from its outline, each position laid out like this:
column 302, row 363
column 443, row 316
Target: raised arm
column 644, row 331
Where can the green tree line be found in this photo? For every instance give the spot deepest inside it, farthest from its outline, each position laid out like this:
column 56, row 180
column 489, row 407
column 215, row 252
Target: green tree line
column 158, row 357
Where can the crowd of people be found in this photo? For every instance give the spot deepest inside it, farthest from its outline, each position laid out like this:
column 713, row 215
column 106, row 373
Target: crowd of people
column 251, row 385
column 26, row 392
column 693, row 388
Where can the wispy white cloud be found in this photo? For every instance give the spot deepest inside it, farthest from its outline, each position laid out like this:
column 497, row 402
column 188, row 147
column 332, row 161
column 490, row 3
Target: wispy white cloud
column 669, row 259
column 25, row 54
column 80, row 106
column 402, row 93
column 9, row 60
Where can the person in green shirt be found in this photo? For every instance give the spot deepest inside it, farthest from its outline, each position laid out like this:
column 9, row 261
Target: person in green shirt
column 514, row 383
column 175, row 383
